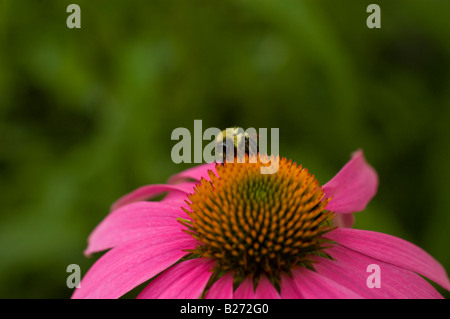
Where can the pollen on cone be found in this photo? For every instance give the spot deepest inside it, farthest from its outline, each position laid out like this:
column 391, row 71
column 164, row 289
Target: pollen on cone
column 253, row 223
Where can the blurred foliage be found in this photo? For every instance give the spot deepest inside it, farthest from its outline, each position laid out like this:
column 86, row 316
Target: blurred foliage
column 86, row 114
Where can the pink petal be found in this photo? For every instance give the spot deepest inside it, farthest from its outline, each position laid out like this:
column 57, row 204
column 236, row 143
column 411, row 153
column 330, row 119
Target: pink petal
column 350, row 270
column 150, row 191
column 194, row 174
column 266, row 290
column 312, row 285
column 178, row 198
column 222, row 288
column 289, row 288
column 353, row 186
column 127, row 266
column 245, row 290
column 392, row 250
column 344, row 220
column 133, row 221
column 186, row 280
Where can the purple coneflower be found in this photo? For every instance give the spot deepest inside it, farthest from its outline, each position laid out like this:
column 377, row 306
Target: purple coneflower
column 228, row 231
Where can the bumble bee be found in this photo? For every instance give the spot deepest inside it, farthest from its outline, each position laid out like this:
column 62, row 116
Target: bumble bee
column 233, row 143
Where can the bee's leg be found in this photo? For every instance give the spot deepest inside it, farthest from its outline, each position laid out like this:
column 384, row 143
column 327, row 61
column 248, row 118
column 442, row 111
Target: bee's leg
column 251, row 146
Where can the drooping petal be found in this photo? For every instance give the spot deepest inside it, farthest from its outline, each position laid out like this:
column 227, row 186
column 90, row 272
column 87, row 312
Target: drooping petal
column 245, row 290
column 344, row 220
column 353, row 186
column 176, row 198
column 312, row 285
column 132, row 221
column 289, row 288
column 150, row 191
column 392, row 250
column 351, row 270
column 265, row 289
column 222, row 288
column 193, row 174
column 127, row 266
column 185, row 280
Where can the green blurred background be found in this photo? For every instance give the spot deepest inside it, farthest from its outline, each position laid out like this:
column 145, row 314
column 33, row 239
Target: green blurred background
column 86, row 114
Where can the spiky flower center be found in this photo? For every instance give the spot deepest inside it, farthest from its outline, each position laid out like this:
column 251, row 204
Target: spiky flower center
column 253, row 223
